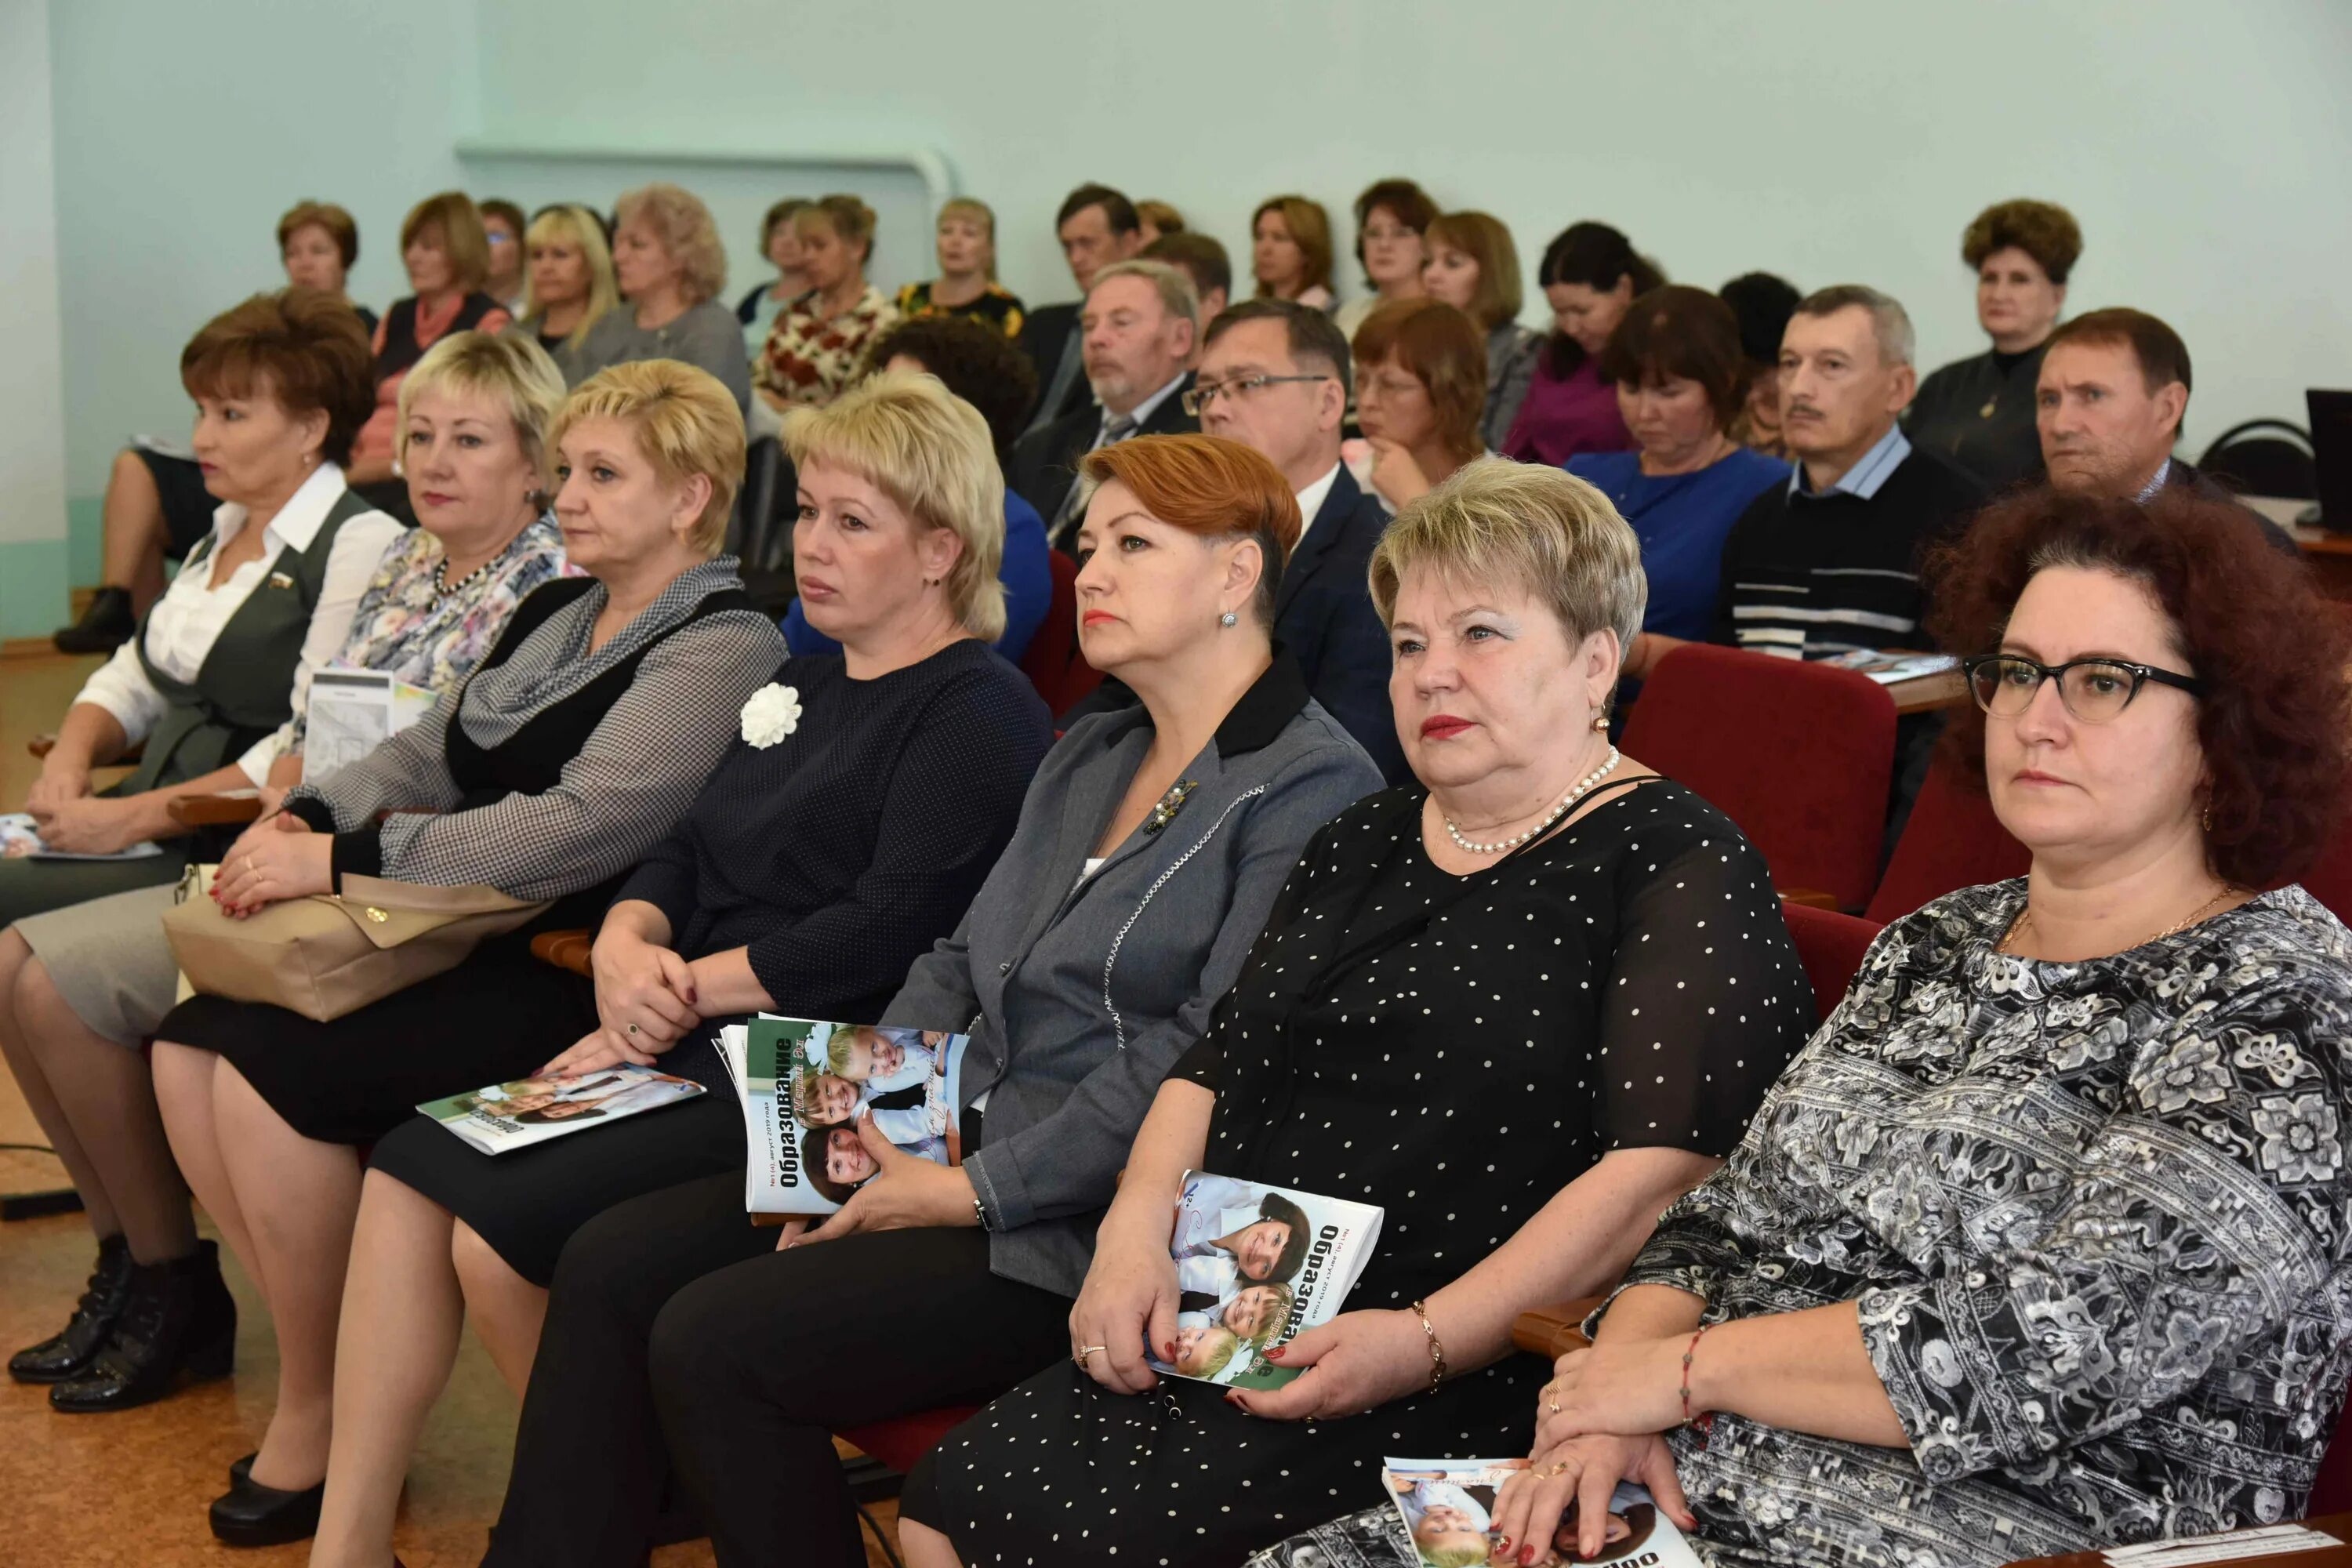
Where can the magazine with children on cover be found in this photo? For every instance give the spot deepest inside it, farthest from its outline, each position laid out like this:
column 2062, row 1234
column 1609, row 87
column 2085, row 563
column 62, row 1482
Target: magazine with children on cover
column 501, row 1116
column 1254, row 1266
column 1448, row 1506
column 806, row 1085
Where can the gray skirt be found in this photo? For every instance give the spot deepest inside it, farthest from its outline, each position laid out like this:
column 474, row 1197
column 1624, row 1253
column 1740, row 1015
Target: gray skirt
column 108, row 959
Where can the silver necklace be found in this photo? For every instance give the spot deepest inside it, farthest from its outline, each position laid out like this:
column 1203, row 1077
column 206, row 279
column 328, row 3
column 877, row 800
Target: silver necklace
column 1576, row 792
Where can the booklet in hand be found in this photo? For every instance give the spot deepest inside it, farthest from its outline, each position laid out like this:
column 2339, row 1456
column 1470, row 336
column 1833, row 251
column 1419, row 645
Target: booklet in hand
column 20, row 839
column 1254, row 1266
column 1448, row 1506
column 805, row 1085
column 515, row 1115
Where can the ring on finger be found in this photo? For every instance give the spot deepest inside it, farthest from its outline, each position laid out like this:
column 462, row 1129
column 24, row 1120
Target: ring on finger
column 1079, row 1355
column 1556, row 1468
column 633, row 1030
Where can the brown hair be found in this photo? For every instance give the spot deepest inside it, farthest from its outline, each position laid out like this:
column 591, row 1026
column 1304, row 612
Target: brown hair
column 2274, row 723
column 499, row 207
column 782, row 212
column 2163, row 357
column 2043, row 230
column 1684, row 332
column 1310, row 227
column 298, row 347
column 322, row 214
column 1211, row 488
column 1405, row 201
column 1199, row 256
column 1486, row 239
column 453, row 214
column 684, row 226
column 1441, row 347
column 851, row 220
column 1160, row 215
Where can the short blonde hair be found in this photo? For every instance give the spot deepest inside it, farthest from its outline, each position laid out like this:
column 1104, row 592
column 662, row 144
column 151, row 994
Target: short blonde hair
column 1539, row 528
column 686, row 230
column 574, row 225
column 930, row 451
column 453, row 215
column 687, row 424
column 972, row 207
column 509, row 369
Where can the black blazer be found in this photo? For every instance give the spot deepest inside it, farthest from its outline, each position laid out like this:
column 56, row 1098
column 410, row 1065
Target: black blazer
column 1044, row 464
column 1323, row 614
column 2187, row 479
column 1047, row 333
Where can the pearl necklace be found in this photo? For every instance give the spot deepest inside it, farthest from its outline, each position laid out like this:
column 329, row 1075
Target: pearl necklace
column 443, row 588
column 1576, row 792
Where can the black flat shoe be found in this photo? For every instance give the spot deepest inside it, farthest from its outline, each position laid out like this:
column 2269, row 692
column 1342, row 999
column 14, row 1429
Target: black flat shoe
column 68, row 1352
column 180, row 1320
column 250, row 1514
column 106, row 626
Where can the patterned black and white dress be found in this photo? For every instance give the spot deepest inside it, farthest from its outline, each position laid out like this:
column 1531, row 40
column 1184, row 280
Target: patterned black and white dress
column 2094, row 1216
column 1457, row 1050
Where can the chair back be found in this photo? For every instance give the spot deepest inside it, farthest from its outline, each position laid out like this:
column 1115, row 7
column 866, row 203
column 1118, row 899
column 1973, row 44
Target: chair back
column 1052, row 660
column 1799, row 755
column 2264, row 458
column 2330, row 877
column 1952, row 840
column 1831, row 946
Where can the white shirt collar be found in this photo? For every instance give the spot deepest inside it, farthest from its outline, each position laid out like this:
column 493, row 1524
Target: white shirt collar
column 1311, row 500
column 2148, row 492
column 299, row 520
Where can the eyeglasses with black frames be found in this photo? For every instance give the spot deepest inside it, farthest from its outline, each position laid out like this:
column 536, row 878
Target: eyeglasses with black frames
column 2094, row 690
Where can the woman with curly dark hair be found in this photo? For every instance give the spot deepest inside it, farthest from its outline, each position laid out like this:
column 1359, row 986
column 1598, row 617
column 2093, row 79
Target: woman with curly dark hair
column 2035, row 1248
column 1979, row 411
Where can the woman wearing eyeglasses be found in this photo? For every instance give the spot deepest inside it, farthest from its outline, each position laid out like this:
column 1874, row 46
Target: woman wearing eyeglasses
column 2038, row 1245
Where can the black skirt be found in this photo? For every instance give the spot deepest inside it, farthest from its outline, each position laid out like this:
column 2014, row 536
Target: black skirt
column 527, row 1204
column 498, row 1015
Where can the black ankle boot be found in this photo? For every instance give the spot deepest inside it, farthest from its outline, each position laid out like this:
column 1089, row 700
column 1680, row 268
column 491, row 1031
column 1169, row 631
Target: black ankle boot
column 250, row 1514
column 106, row 626
column 69, row 1353
column 179, row 1318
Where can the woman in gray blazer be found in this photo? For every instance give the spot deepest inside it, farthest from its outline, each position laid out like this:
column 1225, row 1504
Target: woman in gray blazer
column 1150, row 849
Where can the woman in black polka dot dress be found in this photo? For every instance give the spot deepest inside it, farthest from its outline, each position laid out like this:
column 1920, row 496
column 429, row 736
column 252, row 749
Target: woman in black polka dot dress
column 1520, row 1030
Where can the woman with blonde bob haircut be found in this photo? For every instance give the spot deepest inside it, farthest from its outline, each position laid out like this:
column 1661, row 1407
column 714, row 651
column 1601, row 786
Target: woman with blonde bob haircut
column 567, row 756
column 571, row 285
column 670, row 266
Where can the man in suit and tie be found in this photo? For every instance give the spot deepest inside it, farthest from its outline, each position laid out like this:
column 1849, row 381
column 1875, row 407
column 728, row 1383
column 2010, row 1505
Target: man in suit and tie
column 1096, row 226
column 1274, row 376
column 1139, row 328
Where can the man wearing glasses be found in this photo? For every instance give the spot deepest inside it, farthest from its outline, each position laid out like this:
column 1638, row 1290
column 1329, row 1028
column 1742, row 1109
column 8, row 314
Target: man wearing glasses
column 1274, row 376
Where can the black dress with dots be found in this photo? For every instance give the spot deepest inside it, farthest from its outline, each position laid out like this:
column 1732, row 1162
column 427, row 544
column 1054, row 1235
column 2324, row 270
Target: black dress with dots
column 1456, row 1050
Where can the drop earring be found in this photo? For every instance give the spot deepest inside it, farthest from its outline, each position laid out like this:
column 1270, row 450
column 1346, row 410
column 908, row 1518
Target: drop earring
column 1601, row 723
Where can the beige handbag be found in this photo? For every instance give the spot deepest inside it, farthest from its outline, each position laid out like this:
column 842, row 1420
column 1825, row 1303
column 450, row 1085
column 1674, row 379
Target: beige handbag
column 328, row 955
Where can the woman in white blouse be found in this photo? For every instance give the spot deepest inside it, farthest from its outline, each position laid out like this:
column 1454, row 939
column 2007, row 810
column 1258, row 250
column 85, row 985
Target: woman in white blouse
column 282, row 385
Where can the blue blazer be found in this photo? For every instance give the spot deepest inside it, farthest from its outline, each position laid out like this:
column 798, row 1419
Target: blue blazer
column 1028, row 588
column 1323, row 615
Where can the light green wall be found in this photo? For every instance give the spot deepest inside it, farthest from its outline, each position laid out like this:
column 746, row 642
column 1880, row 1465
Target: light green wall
column 32, row 430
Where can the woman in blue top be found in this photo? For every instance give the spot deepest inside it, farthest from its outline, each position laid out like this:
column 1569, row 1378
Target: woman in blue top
column 1677, row 364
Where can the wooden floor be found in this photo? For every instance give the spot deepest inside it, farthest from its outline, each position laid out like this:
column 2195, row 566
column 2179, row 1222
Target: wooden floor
column 83, row 1492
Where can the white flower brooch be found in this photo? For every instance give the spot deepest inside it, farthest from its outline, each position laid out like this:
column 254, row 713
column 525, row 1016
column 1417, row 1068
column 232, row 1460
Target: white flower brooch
column 773, row 713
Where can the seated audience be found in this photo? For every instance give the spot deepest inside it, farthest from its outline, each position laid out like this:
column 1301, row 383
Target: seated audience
column 281, row 386
column 1675, row 362
column 1274, row 376
column 818, row 344
column 1474, row 267
column 1762, row 304
column 781, row 248
column 502, row 230
column 447, row 257
column 967, row 285
column 82, row 989
column 1141, row 327
column 1979, row 412
column 2113, row 394
column 1392, row 215
column 1202, row 258
column 1830, row 562
column 1155, row 220
column 1290, row 251
column 978, row 364
column 156, row 507
column 568, row 755
column 805, row 878
column 671, row 268
column 1421, row 389
column 2125, row 1070
column 1096, row 226
column 572, row 285
column 1149, row 850
column 1590, row 276
column 1507, row 592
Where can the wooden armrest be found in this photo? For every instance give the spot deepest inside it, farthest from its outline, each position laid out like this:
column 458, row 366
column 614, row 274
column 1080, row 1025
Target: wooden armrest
column 1812, row 898
column 1552, row 1331
column 230, row 810
column 41, row 746
column 564, row 949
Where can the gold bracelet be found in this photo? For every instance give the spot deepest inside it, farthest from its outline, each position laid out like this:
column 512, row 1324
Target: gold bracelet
column 1436, row 1346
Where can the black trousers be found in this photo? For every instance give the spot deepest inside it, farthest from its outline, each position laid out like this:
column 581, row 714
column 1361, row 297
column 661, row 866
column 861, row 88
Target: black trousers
column 676, row 1334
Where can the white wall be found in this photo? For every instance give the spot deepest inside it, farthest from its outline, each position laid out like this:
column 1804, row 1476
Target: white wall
column 32, row 423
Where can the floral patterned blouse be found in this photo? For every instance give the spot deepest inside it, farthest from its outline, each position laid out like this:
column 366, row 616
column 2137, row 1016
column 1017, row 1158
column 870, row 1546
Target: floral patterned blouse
column 406, row 627
column 998, row 306
column 2094, row 1216
column 811, row 360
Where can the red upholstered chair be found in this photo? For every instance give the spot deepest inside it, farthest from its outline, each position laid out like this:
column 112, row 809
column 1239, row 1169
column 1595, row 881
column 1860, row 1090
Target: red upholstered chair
column 899, row 1444
column 2329, row 880
column 1799, row 755
column 1952, row 841
column 1830, row 945
column 1052, row 660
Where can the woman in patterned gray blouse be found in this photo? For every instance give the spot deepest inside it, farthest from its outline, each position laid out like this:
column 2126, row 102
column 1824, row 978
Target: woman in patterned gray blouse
column 2040, row 1245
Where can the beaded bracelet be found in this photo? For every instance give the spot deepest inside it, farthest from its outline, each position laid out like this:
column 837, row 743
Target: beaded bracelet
column 1436, row 1346
column 1704, row 1422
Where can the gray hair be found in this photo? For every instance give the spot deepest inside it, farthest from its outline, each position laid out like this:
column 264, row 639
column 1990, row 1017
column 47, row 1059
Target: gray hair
column 1177, row 294
column 1889, row 322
